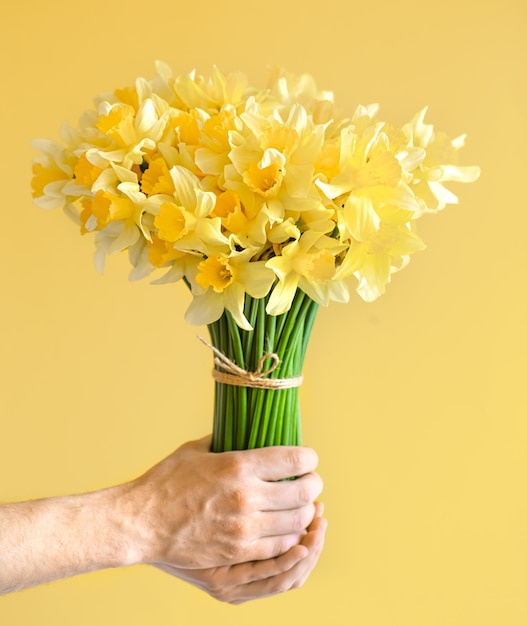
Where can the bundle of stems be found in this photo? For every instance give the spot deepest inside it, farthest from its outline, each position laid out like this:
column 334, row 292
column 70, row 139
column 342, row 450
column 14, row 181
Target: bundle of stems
column 247, row 417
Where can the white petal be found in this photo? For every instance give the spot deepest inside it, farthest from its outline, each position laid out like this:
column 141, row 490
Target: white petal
column 282, row 296
column 209, row 162
column 256, row 278
column 442, row 193
column 205, row 309
column 124, row 175
column 459, row 142
column 174, row 274
column 339, row 291
column 144, row 90
column 370, row 110
column 54, row 150
column 298, row 180
column 99, row 259
column 131, row 190
column 367, row 293
column 319, row 292
column 105, row 181
column 72, row 213
column 101, row 159
column 91, row 223
column 73, row 190
column 271, row 156
column 206, row 201
column 234, row 298
column 141, row 270
column 48, row 202
column 466, row 174
column 185, row 183
column 127, row 238
column 146, row 117
column 209, row 232
column 332, row 191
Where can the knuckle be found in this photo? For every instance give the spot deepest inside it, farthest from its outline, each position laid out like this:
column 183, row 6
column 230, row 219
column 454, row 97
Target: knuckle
column 319, row 484
column 303, row 460
column 239, row 500
column 296, row 462
column 235, row 549
column 236, row 528
column 286, row 543
column 236, row 466
column 310, row 487
column 303, row 517
column 305, row 493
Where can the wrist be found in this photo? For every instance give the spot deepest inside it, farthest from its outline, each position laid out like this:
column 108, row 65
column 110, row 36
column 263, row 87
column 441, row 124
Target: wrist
column 127, row 532
column 99, row 524
column 134, row 519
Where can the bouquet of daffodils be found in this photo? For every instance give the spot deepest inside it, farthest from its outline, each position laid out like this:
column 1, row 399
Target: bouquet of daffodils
column 263, row 201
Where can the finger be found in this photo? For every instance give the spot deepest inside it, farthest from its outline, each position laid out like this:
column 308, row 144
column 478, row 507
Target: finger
column 278, row 462
column 227, row 578
column 272, row 547
column 314, row 538
column 245, row 573
column 290, row 494
column 314, row 542
column 292, row 578
column 276, row 523
column 319, row 509
column 247, row 581
column 262, row 588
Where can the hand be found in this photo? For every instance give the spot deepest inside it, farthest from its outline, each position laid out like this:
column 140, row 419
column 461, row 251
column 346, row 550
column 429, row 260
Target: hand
column 198, row 509
column 240, row 583
column 194, row 510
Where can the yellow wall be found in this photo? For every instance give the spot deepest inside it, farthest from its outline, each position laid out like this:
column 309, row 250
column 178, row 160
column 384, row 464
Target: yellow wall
column 416, row 403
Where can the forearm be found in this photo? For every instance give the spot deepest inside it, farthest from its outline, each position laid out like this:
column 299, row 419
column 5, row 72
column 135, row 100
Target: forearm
column 44, row 540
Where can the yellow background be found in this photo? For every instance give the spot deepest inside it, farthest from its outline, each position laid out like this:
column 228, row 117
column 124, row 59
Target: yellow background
column 416, row 403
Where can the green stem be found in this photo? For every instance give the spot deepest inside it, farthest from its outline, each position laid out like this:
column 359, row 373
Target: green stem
column 246, row 417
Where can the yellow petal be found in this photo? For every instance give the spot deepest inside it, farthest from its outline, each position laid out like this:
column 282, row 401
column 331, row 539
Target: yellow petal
column 282, row 296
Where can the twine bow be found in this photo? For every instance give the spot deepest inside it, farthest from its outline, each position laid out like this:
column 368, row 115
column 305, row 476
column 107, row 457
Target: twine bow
column 231, row 374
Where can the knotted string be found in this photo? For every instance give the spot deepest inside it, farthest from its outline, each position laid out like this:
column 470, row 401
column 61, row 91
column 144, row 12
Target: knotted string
column 231, row 374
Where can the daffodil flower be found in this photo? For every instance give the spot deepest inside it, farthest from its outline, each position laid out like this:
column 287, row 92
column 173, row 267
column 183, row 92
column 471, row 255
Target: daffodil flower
column 243, row 191
column 438, row 166
column 376, row 248
column 222, row 282
column 308, row 260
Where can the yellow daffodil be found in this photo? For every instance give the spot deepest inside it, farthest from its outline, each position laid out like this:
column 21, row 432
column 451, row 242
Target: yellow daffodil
column 376, row 248
column 222, row 282
column 248, row 192
column 439, row 164
column 366, row 163
column 53, row 175
column 308, row 260
column 265, row 202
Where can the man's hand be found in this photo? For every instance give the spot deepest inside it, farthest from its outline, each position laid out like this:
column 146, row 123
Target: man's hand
column 240, row 583
column 198, row 509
